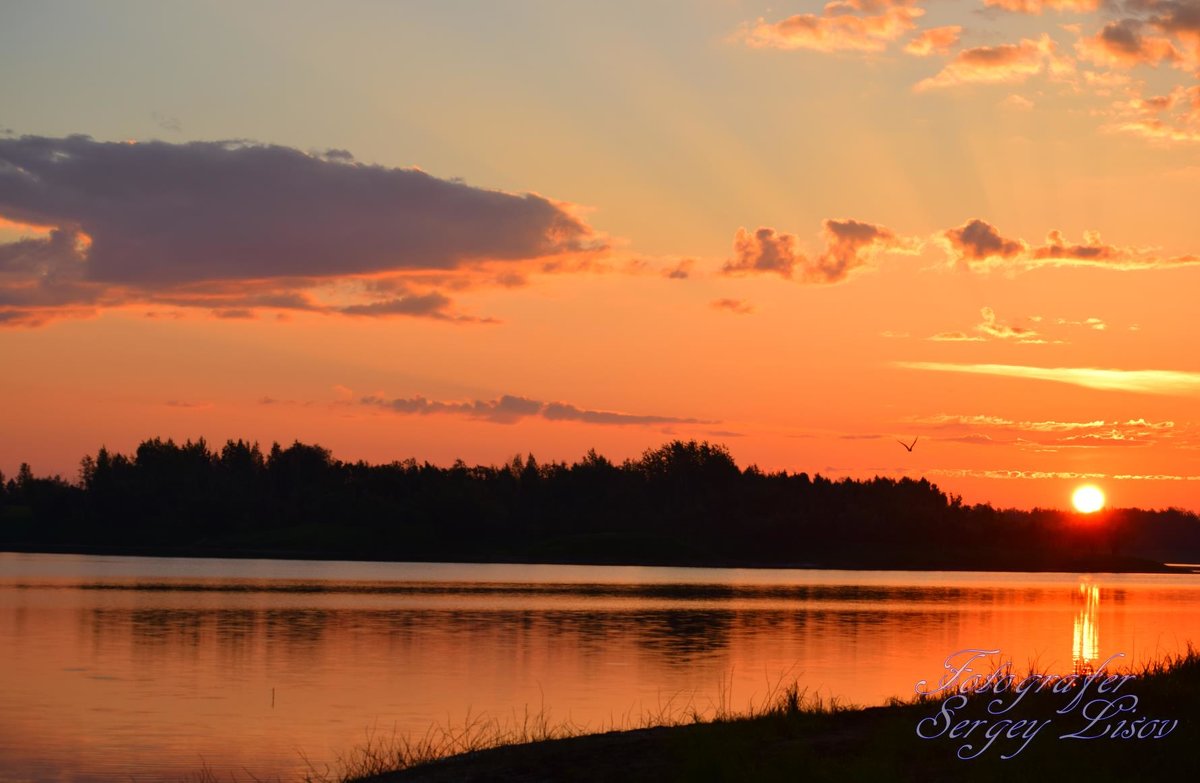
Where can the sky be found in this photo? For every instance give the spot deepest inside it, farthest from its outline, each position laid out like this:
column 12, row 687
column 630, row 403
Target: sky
column 451, row 230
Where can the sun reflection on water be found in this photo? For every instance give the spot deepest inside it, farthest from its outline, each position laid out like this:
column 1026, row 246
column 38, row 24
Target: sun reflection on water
column 1086, row 640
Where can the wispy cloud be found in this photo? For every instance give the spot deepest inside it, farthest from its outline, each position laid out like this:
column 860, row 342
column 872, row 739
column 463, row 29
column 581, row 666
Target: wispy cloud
column 431, row 305
column 508, row 409
column 993, row 328
column 956, row 337
column 843, row 25
column 189, row 404
column 1002, row 64
column 1169, row 382
column 1051, row 435
column 1173, row 116
column 1013, row 474
column 1049, row 425
column 1038, row 6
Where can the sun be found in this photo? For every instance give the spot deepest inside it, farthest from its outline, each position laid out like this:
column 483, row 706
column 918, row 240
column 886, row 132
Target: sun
column 1088, row 499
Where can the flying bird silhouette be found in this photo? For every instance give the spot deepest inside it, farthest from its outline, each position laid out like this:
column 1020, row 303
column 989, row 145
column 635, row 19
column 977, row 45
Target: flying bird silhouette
column 909, row 446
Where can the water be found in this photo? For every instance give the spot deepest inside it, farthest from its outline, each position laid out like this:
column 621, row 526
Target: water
column 120, row 668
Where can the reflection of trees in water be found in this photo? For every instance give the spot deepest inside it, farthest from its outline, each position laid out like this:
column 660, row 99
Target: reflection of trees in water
column 683, row 634
column 825, row 615
column 674, row 634
column 233, row 631
column 297, row 627
column 155, row 627
column 851, row 625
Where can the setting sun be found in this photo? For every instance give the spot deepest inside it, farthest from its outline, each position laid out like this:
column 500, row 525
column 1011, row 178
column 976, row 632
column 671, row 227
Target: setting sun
column 1088, row 499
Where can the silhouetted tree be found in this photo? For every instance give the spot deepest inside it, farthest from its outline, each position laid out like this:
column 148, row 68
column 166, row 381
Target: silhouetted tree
column 685, row 501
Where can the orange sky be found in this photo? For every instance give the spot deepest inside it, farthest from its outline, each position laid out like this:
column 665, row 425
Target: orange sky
column 803, row 231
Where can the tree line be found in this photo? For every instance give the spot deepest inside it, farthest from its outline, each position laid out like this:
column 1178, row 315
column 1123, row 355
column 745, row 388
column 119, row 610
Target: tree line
column 685, row 502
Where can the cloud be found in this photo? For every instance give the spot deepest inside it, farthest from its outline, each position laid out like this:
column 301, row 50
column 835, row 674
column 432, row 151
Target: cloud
column 1170, row 117
column 763, row 251
column 956, row 337
column 1052, row 436
column 735, row 306
column 1167, row 382
column 169, row 213
column 1180, row 18
column 1148, row 33
column 935, row 40
column 132, row 220
column 849, row 244
column 975, row 421
column 1122, row 44
column 431, row 305
column 992, row 328
column 1006, row 63
column 681, row 270
column 973, row 440
column 1017, row 103
column 978, row 245
column 978, row 241
column 1037, row 6
column 189, row 405
column 509, row 409
column 41, row 255
column 1039, row 475
column 843, row 25
column 1095, row 324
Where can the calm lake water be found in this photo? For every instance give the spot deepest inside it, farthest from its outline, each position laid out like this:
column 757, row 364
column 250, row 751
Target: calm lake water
column 122, row 668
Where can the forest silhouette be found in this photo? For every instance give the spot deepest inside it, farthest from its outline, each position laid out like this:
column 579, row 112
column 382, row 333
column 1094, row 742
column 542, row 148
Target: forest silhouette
column 684, row 503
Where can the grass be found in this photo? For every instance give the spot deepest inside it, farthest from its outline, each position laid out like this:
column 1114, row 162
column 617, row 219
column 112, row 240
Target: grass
column 385, row 754
column 793, row 735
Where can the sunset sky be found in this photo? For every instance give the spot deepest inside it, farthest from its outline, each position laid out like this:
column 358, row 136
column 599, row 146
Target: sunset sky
column 450, row 229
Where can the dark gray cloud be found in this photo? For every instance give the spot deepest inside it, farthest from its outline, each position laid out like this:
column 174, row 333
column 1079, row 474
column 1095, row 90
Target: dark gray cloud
column 1176, row 17
column 508, row 409
column 230, row 226
column 159, row 213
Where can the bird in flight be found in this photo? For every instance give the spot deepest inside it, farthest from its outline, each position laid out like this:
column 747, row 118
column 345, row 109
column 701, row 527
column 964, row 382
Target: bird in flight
column 909, row 446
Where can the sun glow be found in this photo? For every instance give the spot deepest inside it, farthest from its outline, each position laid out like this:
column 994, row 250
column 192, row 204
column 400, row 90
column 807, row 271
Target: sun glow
column 1088, row 499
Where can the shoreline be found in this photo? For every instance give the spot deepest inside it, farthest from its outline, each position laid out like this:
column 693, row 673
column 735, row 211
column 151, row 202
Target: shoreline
column 1088, row 564
column 796, row 739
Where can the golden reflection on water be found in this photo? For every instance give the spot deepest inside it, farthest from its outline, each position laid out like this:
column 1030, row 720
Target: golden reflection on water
column 137, row 669
column 1086, row 640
